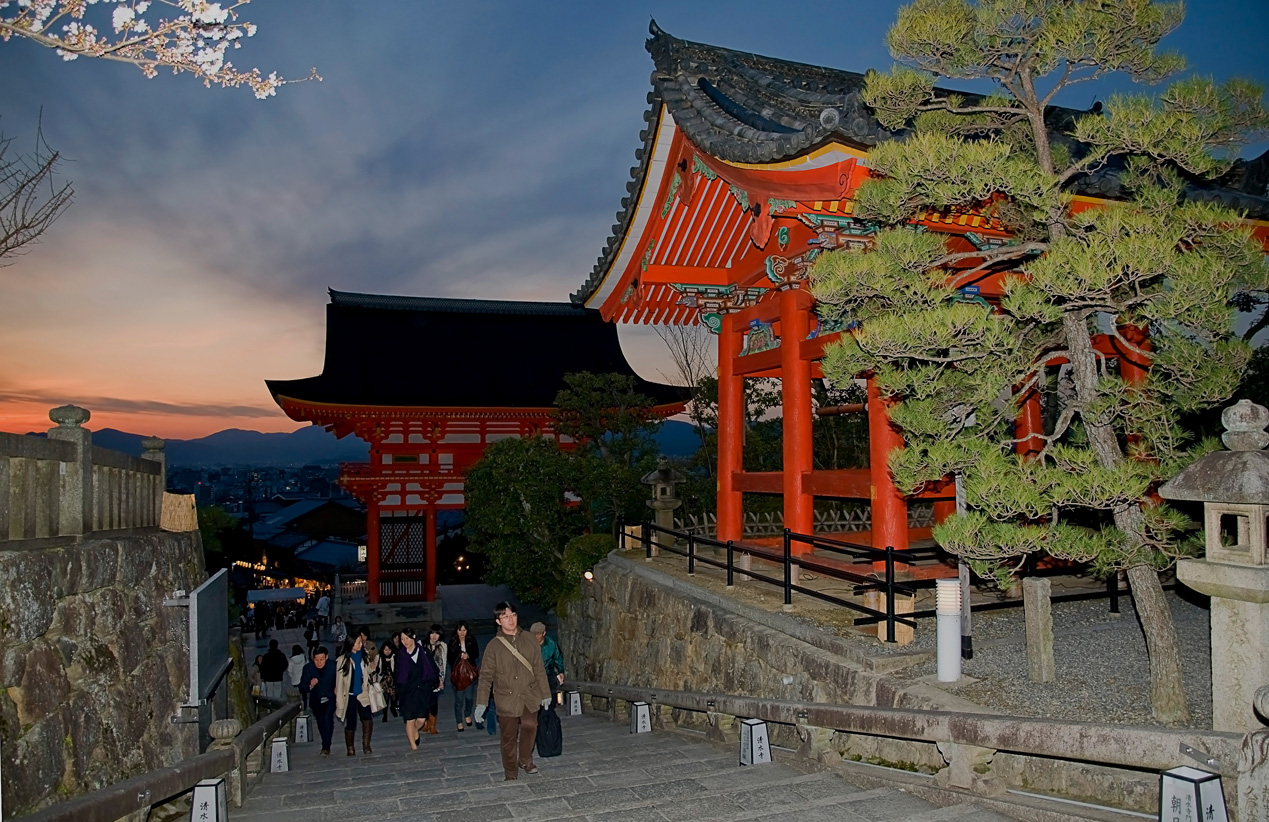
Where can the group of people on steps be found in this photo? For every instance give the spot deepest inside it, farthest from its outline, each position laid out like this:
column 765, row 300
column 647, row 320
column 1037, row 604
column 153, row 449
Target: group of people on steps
column 405, row 676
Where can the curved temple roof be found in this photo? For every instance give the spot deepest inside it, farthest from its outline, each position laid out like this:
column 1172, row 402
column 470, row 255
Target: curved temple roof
column 451, row 353
column 745, row 108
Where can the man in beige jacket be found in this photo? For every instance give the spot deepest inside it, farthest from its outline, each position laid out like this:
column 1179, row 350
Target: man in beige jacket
column 512, row 669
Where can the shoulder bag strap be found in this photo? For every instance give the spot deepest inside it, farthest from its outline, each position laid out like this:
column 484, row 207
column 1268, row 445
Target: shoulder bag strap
column 516, row 653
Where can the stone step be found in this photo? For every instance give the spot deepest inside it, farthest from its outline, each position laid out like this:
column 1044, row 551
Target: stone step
column 604, row 773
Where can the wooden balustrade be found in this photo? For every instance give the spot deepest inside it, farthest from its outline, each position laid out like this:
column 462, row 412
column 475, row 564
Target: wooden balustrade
column 64, row 487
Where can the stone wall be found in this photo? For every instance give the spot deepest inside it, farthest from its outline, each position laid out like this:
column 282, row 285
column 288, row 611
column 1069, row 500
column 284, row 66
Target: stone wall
column 92, row 664
column 637, row 627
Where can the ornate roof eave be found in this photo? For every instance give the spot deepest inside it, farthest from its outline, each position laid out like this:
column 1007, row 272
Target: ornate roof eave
column 748, row 110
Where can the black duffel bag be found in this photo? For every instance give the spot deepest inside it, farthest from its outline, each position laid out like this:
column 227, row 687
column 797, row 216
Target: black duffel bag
column 550, row 735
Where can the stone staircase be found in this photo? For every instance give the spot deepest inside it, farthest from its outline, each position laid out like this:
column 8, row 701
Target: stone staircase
column 604, row 774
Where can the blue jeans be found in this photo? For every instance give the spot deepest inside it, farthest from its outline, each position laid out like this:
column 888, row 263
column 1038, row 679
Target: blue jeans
column 464, row 701
column 491, row 717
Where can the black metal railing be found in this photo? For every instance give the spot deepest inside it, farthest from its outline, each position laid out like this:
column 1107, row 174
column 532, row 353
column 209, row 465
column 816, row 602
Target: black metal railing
column 886, row 560
column 886, row 584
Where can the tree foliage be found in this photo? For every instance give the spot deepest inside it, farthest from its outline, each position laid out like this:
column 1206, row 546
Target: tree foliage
column 519, row 517
column 957, row 365
column 195, row 39
column 615, row 429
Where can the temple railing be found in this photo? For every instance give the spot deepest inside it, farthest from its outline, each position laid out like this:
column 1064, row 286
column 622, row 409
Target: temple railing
column 62, row 486
column 771, row 524
column 242, row 760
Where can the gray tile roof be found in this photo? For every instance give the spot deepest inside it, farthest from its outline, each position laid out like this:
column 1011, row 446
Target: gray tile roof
column 746, row 108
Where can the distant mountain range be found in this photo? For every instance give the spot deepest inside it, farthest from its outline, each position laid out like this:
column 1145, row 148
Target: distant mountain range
column 309, row 446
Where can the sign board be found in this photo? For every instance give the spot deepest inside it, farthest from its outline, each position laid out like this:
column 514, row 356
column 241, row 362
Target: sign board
column 755, row 748
column 208, row 637
column 209, row 803
column 303, row 729
column 573, row 704
column 640, row 718
column 1191, row 795
column 279, row 761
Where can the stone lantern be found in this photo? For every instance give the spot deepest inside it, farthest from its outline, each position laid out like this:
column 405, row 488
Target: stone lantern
column 664, row 498
column 1233, row 486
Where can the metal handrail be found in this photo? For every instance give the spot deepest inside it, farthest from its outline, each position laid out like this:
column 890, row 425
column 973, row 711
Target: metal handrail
column 1133, row 748
column 887, row 585
column 162, row 785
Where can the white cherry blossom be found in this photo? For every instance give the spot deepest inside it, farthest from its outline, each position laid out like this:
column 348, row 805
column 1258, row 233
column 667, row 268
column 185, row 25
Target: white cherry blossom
column 194, row 40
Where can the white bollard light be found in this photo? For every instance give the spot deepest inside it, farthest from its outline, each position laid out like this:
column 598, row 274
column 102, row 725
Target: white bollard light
column 947, row 607
column 573, row 705
column 209, row 802
column 303, row 729
column 279, row 758
column 1189, row 793
column 640, row 718
column 755, row 747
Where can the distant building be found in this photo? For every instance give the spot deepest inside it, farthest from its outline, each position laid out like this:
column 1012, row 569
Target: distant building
column 428, row 384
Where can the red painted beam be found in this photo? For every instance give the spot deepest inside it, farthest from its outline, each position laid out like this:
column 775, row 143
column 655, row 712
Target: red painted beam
column 686, row 274
column 758, row 482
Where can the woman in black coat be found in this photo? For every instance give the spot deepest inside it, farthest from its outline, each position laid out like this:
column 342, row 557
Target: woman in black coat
column 416, row 679
column 462, row 646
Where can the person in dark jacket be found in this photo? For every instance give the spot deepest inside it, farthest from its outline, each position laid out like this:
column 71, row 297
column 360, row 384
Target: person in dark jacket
column 463, row 646
column 318, row 681
column 416, row 680
column 272, row 668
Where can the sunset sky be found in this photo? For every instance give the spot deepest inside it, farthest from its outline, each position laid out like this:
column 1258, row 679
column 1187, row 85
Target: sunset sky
column 474, row 149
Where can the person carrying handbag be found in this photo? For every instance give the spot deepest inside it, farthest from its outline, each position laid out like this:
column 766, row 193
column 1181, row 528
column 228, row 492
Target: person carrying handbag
column 464, row 670
column 512, row 670
column 356, row 679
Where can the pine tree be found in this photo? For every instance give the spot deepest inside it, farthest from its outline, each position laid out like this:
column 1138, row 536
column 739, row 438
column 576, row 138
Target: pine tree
column 1156, row 273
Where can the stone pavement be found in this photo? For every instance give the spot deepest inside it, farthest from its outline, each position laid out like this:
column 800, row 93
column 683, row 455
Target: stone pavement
column 604, row 774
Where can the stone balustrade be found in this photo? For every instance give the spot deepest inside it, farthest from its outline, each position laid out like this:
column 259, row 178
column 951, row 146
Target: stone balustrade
column 63, row 486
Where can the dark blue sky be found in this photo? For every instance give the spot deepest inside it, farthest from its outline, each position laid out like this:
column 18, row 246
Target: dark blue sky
column 473, row 149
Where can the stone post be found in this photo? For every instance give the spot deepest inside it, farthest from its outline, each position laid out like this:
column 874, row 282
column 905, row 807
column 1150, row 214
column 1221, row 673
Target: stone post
column 1233, row 486
column 1253, row 766
column 75, row 503
column 154, row 451
column 664, row 500
column 1038, row 608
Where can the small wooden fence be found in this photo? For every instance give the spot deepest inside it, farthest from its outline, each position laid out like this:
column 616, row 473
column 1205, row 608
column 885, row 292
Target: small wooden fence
column 62, row 486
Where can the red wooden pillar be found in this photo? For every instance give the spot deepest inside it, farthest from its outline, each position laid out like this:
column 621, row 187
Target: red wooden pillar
column 795, row 393
column 429, row 583
column 1134, row 367
column 372, row 550
column 731, row 431
column 889, row 508
column 1029, row 426
column 943, row 509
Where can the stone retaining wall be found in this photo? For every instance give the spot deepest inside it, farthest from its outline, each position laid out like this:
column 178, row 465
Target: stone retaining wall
column 92, row 664
column 638, row 627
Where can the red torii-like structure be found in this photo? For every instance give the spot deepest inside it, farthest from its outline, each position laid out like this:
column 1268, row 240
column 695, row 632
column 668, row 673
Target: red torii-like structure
column 746, row 174
column 429, row 384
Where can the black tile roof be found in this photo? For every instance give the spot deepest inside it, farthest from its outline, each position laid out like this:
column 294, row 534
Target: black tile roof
column 746, row 108
column 435, row 352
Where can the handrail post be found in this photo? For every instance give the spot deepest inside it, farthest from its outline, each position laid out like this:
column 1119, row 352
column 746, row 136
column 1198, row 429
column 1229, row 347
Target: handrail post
column 890, row 594
column 788, row 571
column 1112, row 588
column 730, row 564
column 621, row 533
column 647, row 541
column 691, row 555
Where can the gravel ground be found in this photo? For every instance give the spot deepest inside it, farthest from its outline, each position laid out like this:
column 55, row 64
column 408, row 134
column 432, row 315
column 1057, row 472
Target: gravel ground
column 1103, row 672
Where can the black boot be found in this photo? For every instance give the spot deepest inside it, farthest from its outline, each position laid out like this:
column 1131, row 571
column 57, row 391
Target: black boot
column 349, row 737
column 367, row 730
